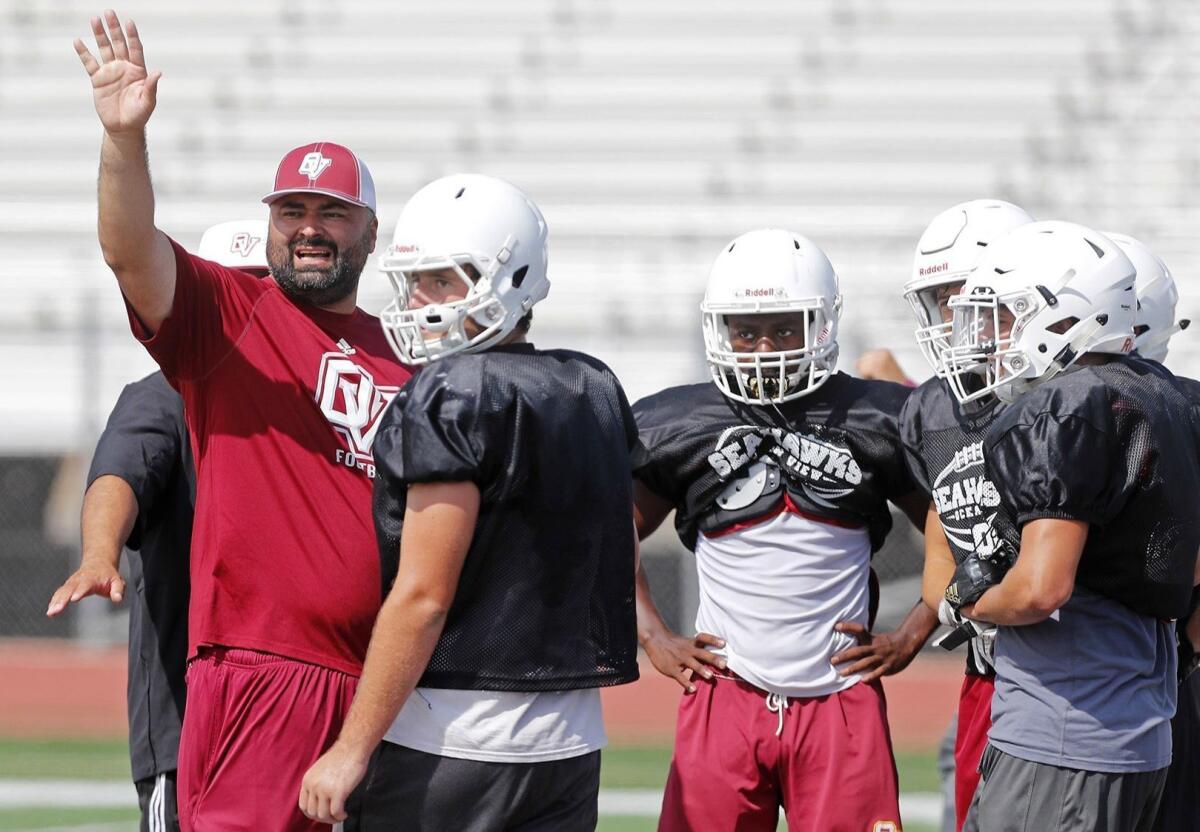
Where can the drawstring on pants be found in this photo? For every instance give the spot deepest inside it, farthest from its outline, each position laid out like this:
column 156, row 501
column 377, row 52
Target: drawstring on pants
column 777, row 704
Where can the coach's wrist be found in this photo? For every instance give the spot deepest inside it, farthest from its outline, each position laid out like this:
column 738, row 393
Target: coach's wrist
column 353, row 750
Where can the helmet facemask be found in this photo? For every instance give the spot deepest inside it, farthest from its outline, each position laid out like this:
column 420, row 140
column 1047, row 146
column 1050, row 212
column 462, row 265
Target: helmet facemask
column 426, row 333
column 983, row 358
column 778, row 376
column 933, row 331
column 476, row 230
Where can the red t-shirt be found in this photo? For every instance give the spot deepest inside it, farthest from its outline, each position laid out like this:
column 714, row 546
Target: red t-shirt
column 283, row 401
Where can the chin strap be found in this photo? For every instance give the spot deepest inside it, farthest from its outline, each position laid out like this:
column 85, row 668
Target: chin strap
column 1162, row 337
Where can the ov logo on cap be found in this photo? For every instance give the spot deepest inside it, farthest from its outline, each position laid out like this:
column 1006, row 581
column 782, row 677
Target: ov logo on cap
column 243, row 243
column 314, row 164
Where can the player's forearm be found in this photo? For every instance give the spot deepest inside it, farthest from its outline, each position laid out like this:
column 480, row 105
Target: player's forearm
column 649, row 621
column 1015, row 601
column 137, row 252
column 405, row 635
column 918, row 625
column 110, row 509
column 939, row 562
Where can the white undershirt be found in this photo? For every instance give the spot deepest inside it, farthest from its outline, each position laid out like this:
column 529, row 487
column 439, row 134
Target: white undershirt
column 774, row 591
column 501, row 727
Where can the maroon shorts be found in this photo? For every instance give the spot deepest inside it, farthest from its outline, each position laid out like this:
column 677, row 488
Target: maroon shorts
column 253, row 725
column 828, row 763
column 974, row 720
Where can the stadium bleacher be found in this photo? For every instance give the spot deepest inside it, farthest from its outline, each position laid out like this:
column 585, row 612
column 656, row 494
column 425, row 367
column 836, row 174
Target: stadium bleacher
column 650, row 132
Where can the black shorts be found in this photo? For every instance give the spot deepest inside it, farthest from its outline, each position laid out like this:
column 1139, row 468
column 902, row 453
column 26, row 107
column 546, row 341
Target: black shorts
column 420, row 792
column 156, row 800
column 1180, row 807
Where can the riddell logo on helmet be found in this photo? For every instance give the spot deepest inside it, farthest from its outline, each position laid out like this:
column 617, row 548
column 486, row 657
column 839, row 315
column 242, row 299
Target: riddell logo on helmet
column 761, row 293
column 928, row 270
column 404, row 249
column 314, row 164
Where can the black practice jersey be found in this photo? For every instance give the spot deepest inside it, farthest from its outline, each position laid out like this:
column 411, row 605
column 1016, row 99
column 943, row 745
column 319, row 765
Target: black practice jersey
column 1114, row 445
column 546, row 596
column 146, row 444
column 834, row 454
column 943, row 443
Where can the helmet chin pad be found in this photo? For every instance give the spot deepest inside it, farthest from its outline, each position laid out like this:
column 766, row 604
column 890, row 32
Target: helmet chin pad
column 438, row 319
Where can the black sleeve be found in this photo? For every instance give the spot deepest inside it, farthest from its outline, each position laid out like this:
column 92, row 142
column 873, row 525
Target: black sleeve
column 885, row 448
column 1060, row 466
column 389, row 495
column 142, row 444
column 444, row 432
column 655, row 457
column 910, row 437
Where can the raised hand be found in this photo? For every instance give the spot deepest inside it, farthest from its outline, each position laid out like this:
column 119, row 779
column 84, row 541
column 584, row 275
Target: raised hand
column 124, row 93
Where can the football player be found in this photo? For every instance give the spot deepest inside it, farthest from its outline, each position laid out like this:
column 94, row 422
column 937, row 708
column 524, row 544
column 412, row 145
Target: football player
column 1096, row 458
column 1157, row 298
column 504, row 489
column 779, row 471
column 943, row 442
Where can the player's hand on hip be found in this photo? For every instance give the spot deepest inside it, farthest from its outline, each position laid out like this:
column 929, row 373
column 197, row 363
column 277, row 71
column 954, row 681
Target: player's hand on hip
column 89, row 579
column 876, row 654
column 681, row 658
column 329, row 782
column 124, row 93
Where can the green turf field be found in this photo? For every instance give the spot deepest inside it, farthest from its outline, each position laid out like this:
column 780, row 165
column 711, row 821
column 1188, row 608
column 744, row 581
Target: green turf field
column 623, row 768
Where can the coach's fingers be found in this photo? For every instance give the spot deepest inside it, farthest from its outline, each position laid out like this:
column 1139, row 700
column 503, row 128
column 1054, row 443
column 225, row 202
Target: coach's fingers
column 102, row 42
column 150, row 90
column 75, row 588
column 337, row 808
column 324, row 814
column 136, row 53
column 116, row 36
column 86, row 57
column 60, row 599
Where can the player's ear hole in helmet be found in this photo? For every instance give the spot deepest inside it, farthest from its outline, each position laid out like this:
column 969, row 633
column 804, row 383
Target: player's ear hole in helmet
column 769, row 315
column 1044, row 295
column 1157, row 298
column 489, row 237
column 947, row 251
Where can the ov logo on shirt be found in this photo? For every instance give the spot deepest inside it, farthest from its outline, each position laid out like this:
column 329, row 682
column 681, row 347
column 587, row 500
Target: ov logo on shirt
column 353, row 404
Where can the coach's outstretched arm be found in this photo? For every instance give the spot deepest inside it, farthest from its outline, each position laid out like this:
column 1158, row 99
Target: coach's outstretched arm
column 125, row 94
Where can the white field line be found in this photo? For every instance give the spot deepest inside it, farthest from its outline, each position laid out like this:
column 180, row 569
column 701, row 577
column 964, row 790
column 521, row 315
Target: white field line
column 920, row 807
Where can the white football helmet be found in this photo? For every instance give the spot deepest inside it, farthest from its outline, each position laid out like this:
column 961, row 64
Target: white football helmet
column 1156, row 299
column 1059, row 289
column 453, row 222
column 769, row 272
column 949, row 248
column 238, row 244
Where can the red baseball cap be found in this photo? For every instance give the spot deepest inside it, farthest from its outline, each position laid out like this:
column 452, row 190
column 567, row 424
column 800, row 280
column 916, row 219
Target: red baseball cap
column 324, row 168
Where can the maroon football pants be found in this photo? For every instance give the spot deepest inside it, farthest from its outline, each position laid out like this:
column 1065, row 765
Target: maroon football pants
column 253, row 725
column 741, row 754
